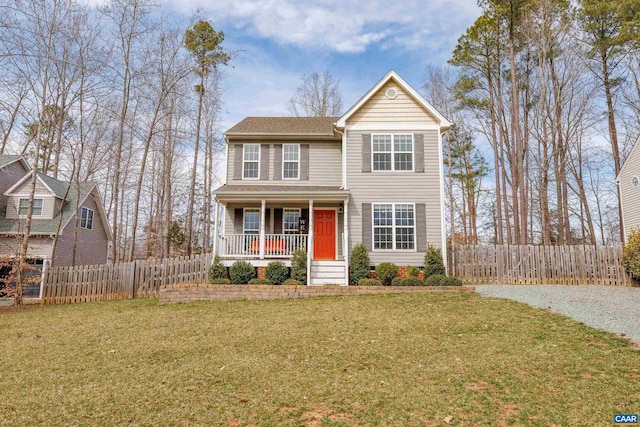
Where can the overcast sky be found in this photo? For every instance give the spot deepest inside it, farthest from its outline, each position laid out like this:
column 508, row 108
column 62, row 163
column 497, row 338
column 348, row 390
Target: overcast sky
column 356, row 41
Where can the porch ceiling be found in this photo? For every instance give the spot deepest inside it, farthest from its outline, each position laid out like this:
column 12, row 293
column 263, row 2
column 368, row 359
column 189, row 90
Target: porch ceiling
column 279, row 192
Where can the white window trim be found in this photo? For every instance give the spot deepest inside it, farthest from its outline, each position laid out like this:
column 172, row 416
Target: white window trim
column 290, row 161
column 27, row 199
column 244, row 212
column 393, row 152
column 393, row 226
column 93, row 215
column 244, row 147
column 284, row 231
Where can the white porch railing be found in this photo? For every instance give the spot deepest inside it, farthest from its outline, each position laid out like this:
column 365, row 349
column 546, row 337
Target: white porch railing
column 248, row 245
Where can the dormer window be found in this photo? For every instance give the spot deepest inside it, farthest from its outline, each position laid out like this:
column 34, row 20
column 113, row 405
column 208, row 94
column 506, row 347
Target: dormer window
column 23, row 208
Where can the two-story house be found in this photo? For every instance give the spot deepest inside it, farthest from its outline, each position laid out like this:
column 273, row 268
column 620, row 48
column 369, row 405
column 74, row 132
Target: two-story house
column 373, row 175
column 74, row 216
column 628, row 181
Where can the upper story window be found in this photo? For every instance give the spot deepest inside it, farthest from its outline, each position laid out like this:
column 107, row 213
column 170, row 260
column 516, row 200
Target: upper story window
column 635, row 181
column 86, row 218
column 23, row 208
column 291, row 221
column 291, row 161
column 251, row 161
column 394, row 226
column 392, row 152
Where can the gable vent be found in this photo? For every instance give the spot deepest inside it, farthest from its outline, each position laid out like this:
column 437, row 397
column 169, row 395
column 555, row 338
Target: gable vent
column 391, row 93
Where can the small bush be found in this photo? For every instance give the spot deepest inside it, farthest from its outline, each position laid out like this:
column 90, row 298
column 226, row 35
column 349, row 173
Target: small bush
column 259, row 281
column 435, row 279
column 277, row 272
column 292, row 282
column 413, row 271
column 433, row 263
column 217, row 270
column 450, row 281
column 407, row 281
column 359, row 265
column 631, row 254
column 369, row 282
column 241, row 272
column 220, row 281
column 299, row 266
column 385, row 272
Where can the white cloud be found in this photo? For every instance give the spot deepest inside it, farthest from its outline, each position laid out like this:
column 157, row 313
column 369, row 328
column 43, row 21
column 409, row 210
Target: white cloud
column 342, row 26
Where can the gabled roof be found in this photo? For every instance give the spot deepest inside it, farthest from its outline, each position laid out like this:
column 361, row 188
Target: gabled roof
column 295, row 126
column 50, row 226
column 7, row 159
column 55, row 187
column 636, row 147
column 392, row 75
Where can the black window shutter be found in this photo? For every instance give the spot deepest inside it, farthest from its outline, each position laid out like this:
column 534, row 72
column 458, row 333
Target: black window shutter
column 264, row 162
column 277, row 221
column 366, row 152
column 366, row 226
column 304, row 161
column 277, row 162
column 237, row 162
column 238, row 221
column 421, row 227
column 418, row 152
column 267, row 220
column 304, row 215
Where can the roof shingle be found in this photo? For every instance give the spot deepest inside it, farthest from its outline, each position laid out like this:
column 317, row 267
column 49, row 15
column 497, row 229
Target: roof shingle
column 285, row 125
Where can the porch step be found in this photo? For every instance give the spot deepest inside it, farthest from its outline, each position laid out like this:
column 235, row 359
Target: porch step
column 327, row 273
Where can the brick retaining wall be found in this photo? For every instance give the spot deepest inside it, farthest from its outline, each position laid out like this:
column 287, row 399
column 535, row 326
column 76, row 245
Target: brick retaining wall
column 207, row 292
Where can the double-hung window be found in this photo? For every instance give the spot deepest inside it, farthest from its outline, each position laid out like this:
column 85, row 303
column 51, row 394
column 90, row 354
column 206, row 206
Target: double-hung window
column 251, row 221
column 291, row 221
column 251, row 161
column 290, row 161
column 394, row 226
column 23, row 207
column 86, row 218
column 392, row 152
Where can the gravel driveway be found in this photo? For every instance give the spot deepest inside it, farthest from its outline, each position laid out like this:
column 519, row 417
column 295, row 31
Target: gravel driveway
column 612, row 308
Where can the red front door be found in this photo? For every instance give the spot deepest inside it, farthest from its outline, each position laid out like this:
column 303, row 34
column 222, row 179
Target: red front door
column 324, row 240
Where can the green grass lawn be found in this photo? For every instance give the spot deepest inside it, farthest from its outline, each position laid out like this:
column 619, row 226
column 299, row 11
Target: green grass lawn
column 402, row 360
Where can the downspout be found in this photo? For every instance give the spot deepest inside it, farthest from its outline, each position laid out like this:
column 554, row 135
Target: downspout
column 345, row 222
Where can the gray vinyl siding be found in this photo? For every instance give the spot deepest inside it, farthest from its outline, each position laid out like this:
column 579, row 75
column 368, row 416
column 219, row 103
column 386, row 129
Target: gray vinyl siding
column 92, row 245
column 324, row 163
column 422, row 189
column 9, row 175
column 630, row 194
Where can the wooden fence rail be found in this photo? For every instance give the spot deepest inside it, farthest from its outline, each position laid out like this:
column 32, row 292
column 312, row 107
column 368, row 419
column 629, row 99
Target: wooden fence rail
column 143, row 278
column 538, row 265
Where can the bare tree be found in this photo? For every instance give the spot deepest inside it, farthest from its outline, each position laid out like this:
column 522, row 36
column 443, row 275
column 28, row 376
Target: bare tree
column 317, row 96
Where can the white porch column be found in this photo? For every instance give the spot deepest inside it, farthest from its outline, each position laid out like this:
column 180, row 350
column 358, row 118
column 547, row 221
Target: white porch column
column 262, row 227
column 345, row 243
column 310, row 242
column 215, row 230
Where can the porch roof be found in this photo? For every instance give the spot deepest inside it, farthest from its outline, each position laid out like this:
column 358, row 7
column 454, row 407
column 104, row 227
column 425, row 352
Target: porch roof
column 280, row 192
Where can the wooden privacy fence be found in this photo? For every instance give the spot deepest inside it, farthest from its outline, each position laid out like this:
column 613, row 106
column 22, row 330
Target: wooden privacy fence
column 143, row 278
column 538, row 265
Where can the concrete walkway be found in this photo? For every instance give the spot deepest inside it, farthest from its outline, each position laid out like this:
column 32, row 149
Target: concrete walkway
column 611, row 308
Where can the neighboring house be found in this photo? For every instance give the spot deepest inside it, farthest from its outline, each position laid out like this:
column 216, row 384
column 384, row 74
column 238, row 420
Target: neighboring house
column 628, row 181
column 373, row 175
column 54, row 208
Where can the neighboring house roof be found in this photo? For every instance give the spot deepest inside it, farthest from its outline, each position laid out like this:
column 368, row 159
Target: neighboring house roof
column 636, row 146
column 444, row 123
column 7, row 159
column 280, row 191
column 50, row 226
column 303, row 126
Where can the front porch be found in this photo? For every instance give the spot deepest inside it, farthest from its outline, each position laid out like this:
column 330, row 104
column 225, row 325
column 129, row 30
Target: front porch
column 260, row 229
